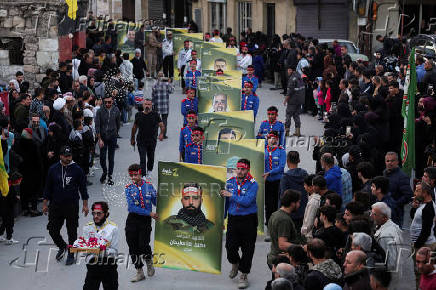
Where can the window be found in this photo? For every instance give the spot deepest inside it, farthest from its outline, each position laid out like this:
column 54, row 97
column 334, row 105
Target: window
column 245, row 15
column 15, row 47
column 217, row 12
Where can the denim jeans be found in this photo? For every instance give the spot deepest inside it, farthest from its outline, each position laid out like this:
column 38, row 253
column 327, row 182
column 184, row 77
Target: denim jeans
column 109, row 145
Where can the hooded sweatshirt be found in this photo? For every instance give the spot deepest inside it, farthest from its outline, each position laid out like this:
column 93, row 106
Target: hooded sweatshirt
column 333, row 178
column 322, row 274
column 294, row 179
column 64, row 184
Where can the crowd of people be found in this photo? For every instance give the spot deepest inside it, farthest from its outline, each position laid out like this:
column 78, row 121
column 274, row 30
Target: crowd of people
column 338, row 228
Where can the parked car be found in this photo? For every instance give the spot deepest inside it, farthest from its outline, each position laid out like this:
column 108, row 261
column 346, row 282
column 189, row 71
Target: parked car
column 353, row 51
column 425, row 45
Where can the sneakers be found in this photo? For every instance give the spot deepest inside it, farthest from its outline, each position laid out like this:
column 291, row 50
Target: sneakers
column 110, row 181
column 70, row 259
column 267, row 239
column 243, row 281
column 60, row 254
column 234, row 271
column 2, row 239
column 150, row 268
column 11, row 241
column 103, row 178
column 139, row 276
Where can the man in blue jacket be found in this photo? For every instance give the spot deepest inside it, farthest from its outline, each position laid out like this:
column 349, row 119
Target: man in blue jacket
column 140, row 196
column 186, row 132
column 65, row 185
column 249, row 100
column 272, row 124
column 194, row 150
column 399, row 184
column 275, row 161
column 294, row 179
column 240, row 193
column 332, row 174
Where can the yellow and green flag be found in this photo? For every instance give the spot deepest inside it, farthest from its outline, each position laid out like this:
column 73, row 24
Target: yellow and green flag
column 4, row 184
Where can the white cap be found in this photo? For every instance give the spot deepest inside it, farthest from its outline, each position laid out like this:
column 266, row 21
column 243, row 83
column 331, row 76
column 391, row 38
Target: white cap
column 87, row 113
column 59, row 103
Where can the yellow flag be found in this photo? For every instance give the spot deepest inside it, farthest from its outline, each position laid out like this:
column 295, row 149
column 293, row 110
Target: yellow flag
column 4, row 184
column 72, row 8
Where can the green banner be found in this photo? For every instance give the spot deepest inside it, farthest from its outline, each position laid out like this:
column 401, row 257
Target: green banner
column 227, row 125
column 126, row 37
column 228, row 152
column 195, row 41
column 189, row 230
column 218, row 58
column 224, row 96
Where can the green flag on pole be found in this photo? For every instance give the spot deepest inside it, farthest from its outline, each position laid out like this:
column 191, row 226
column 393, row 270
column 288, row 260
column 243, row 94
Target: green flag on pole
column 408, row 112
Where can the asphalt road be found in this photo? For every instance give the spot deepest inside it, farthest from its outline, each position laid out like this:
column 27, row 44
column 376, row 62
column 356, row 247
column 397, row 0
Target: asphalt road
column 19, row 268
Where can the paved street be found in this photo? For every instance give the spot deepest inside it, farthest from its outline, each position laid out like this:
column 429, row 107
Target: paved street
column 48, row 274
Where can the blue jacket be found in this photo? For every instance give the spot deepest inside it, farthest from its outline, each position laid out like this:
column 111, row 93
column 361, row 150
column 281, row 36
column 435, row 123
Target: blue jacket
column 243, row 203
column 254, row 80
column 399, row 186
column 188, row 105
column 133, row 198
column 333, row 178
column 420, row 72
column 185, row 138
column 250, row 102
column 266, row 127
column 192, row 79
column 278, row 160
column 65, row 184
column 294, row 179
column 194, row 153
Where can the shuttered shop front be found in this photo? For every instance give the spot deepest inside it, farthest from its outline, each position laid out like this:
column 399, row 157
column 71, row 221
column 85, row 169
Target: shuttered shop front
column 322, row 19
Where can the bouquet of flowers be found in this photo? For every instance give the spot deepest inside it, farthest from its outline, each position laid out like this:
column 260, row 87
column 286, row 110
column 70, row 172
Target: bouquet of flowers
column 92, row 245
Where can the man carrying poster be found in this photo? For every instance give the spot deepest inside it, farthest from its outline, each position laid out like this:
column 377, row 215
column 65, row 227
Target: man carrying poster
column 194, row 150
column 249, row 101
column 272, row 124
column 240, row 193
column 190, row 217
column 188, row 234
column 140, row 196
column 184, row 56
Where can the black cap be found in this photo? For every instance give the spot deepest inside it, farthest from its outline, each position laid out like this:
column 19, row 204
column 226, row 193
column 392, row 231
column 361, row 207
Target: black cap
column 66, row 151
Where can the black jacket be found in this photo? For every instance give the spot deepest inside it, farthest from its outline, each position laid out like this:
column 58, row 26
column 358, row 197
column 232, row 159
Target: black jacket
column 294, row 179
column 138, row 67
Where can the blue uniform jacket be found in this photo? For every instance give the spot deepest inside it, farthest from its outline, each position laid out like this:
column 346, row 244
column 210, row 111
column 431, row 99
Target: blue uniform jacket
column 278, row 160
column 185, row 138
column 245, row 202
column 194, row 153
column 266, row 127
column 192, row 79
column 254, row 80
column 133, row 198
column 250, row 102
column 188, row 105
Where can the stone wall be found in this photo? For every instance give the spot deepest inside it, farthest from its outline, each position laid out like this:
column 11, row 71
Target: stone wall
column 36, row 23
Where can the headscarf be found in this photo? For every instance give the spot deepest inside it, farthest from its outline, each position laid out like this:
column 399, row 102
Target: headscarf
column 16, row 84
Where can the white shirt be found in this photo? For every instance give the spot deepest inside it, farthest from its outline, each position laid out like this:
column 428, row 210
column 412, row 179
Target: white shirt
column 244, row 62
column 216, row 39
column 310, row 214
column 108, row 231
column 184, row 55
column 167, row 47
